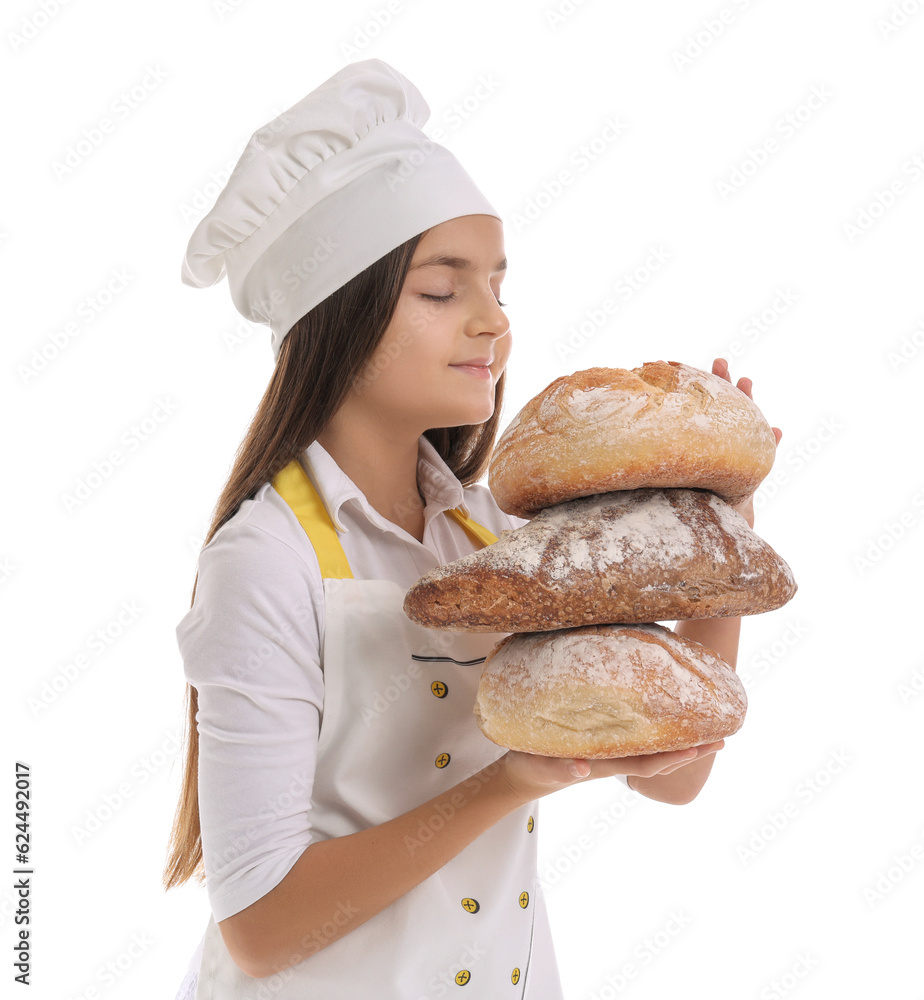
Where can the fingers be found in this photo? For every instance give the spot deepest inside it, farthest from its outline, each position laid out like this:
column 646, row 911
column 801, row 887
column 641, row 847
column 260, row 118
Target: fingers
column 720, row 368
column 668, row 762
column 645, row 766
column 695, row 753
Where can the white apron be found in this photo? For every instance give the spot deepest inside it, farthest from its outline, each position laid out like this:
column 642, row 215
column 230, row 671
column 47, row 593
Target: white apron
column 397, row 728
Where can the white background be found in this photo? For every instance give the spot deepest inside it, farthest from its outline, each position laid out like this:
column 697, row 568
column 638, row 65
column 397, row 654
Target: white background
column 797, row 871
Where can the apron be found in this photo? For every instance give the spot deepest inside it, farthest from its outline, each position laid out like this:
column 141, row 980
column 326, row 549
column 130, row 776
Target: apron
column 397, row 728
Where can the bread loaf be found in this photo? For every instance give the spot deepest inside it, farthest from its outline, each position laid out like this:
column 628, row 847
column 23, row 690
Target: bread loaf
column 644, row 555
column 665, row 424
column 606, row 691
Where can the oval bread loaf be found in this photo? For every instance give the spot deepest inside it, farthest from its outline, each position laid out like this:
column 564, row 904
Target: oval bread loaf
column 665, row 424
column 606, row 691
column 644, row 555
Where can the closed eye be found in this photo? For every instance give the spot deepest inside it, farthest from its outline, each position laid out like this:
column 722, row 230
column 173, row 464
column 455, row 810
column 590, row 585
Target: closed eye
column 448, row 298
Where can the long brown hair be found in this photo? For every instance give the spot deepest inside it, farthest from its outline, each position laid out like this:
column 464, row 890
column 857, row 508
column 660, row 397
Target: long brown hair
column 327, row 352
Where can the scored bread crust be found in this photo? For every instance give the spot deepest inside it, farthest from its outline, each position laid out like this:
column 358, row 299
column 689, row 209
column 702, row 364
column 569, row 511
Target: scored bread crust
column 606, row 691
column 645, row 555
column 664, row 424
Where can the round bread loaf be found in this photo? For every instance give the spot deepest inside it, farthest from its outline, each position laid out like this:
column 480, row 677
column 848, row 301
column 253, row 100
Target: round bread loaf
column 644, row 555
column 603, row 429
column 606, row 691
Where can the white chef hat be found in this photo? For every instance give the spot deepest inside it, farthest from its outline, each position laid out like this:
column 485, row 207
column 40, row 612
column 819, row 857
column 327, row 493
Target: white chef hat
column 323, row 191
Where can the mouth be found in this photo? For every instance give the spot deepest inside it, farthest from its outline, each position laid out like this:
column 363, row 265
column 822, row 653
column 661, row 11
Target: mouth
column 479, row 371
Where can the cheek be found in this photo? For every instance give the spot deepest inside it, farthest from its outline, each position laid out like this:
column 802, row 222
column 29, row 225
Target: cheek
column 398, row 359
column 504, row 348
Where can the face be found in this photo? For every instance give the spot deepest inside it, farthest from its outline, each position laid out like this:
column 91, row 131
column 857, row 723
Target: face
column 446, row 316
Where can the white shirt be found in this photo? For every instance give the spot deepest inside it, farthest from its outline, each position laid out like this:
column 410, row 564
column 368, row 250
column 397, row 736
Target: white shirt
column 254, row 658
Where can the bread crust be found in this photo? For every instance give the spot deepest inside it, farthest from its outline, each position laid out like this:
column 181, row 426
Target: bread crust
column 606, row 691
column 664, row 424
column 645, row 555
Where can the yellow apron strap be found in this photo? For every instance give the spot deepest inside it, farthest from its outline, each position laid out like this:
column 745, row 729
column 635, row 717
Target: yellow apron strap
column 294, row 486
column 477, row 531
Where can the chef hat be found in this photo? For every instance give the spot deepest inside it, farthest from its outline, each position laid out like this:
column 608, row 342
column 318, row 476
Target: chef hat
column 323, row 191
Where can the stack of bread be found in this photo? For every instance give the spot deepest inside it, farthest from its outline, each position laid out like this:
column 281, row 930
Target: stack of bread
column 629, row 478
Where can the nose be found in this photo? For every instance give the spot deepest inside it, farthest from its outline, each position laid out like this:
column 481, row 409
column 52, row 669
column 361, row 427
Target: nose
column 488, row 317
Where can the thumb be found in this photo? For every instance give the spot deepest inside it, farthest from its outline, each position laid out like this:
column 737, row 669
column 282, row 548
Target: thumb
column 579, row 768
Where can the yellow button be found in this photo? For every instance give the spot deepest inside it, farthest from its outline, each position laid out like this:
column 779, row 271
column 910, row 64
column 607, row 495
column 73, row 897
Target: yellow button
column 515, row 976
column 439, row 689
column 442, row 760
column 463, row 976
column 524, row 899
column 471, row 905
column 530, row 824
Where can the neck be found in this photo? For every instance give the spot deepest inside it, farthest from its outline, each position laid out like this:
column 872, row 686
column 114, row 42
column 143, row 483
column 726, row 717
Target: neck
column 381, row 461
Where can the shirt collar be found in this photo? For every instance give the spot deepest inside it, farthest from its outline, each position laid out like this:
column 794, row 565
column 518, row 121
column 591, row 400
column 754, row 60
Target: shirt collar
column 437, row 481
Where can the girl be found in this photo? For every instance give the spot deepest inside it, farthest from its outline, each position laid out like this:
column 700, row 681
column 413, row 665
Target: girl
column 359, row 836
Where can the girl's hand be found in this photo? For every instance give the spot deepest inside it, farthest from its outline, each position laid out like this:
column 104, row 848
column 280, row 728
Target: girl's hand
column 720, row 367
column 531, row 776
